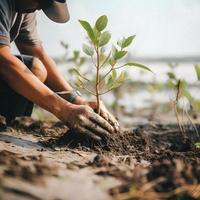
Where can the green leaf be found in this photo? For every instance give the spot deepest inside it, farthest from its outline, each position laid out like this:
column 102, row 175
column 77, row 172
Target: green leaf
column 127, row 41
column 197, row 69
column 81, row 61
column 120, row 42
column 112, row 61
column 188, row 95
column 79, row 74
column 116, row 83
column 122, row 77
column 101, row 23
column 109, row 82
column 114, row 50
column 88, row 50
column 79, row 83
column 96, row 34
column 76, row 54
column 171, row 84
column 106, row 60
column 104, row 38
column 88, row 29
column 114, row 74
column 197, row 103
column 139, row 65
column 171, row 75
column 120, row 54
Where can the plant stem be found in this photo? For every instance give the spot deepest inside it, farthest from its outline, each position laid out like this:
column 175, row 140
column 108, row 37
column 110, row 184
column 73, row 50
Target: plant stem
column 193, row 125
column 175, row 103
column 177, row 118
column 98, row 80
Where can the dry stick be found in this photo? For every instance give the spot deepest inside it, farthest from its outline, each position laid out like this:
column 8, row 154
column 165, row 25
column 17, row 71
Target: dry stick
column 175, row 108
column 177, row 118
column 193, row 190
column 192, row 123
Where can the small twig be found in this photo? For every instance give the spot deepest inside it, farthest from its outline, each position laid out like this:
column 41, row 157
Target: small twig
column 106, row 91
column 111, row 69
column 191, row 122
column 178, row 90
column 177, row 118
column 175, row 103
column 85, row 88
column 120, row 66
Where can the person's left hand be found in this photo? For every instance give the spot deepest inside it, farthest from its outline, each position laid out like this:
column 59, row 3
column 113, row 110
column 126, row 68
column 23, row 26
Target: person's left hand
column 104, row 113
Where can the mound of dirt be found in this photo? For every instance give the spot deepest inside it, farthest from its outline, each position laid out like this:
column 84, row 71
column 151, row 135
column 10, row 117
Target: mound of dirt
column 150, row 142
column 151, row 161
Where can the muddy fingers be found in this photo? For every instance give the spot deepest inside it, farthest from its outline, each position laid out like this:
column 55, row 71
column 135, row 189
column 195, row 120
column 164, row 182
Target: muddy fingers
column 109, row 117
column 101, row 122
column 88, row 133
column 95, row 128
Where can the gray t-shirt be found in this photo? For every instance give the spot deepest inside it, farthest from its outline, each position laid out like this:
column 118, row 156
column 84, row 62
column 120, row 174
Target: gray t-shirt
column 17, row 27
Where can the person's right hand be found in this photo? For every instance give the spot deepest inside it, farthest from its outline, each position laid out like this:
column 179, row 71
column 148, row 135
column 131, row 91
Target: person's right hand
column 84, row 120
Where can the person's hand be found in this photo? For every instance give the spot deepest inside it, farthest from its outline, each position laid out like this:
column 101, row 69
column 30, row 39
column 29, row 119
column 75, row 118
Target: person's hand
column 103, row 113
column 82, row 119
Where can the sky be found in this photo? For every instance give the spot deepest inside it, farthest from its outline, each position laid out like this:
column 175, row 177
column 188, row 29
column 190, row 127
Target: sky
column 162, row 27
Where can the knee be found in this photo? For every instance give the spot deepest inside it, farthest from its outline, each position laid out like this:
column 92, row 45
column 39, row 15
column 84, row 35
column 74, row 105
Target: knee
column 39, row 70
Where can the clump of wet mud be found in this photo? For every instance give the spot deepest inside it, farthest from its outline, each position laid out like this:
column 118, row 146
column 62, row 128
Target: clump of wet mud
column 145, row 142
column 155, row 161
column 118, row 143
column 174, row 161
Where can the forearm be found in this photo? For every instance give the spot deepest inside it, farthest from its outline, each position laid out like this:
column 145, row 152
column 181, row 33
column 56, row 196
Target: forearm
column 23, row 81
column 54, row 80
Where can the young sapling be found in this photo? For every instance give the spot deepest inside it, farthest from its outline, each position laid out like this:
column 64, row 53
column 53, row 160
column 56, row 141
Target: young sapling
column 106, row 64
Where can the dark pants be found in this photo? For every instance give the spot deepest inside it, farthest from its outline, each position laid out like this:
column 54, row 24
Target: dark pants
column 11, row 103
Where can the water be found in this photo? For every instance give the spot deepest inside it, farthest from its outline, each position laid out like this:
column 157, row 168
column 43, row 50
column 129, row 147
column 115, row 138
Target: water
column 140, row 97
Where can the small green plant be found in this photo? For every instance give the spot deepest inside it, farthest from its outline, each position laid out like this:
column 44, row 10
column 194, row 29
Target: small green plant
column 197, row 70
column 180, row 87
column 106, row 64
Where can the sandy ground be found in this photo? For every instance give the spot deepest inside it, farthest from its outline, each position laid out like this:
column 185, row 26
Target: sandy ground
column 31, row 171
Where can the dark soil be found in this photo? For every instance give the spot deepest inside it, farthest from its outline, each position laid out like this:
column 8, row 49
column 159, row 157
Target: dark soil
column 152, row 161
column 146, row 142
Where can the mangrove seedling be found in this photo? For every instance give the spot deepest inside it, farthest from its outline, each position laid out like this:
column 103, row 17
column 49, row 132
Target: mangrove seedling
column 106, row 63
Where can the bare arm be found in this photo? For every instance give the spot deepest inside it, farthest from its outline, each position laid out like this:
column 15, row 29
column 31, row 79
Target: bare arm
column 57, row 83
column 23, row 81
column 54, row 80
